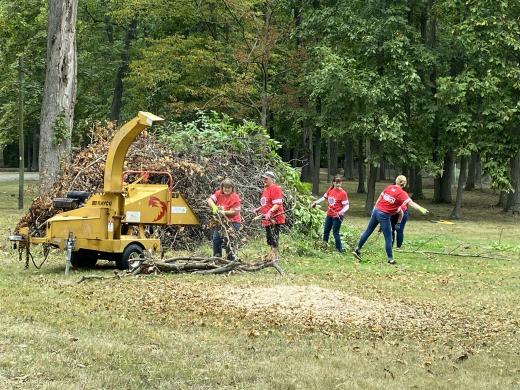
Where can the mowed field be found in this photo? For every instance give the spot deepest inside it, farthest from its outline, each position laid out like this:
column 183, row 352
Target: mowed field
column 433, row 321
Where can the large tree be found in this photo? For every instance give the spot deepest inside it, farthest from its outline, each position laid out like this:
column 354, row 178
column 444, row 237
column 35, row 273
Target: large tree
column 59, row 94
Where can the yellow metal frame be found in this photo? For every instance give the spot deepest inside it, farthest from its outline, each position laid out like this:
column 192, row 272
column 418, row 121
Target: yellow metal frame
column 97, row 226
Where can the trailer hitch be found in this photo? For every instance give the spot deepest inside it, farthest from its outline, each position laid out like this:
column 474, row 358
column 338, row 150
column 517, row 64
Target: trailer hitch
column 69, row 246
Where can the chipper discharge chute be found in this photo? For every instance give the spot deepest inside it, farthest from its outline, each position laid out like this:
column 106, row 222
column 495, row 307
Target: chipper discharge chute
column 111, row 225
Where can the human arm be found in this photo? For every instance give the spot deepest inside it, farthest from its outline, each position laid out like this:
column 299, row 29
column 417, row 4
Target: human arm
column 317, row 201
column 212, row 205
column 417, row 207
column 346, row 206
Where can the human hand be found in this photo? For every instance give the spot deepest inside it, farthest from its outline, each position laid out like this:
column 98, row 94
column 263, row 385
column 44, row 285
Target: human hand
column 397, row 227
column 214, row 209
column 257, row 209
column 313, row 204
column 423, row 211
column 268, row 215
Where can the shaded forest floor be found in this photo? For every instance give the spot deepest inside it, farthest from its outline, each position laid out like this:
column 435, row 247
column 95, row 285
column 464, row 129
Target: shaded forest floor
column 433, row 321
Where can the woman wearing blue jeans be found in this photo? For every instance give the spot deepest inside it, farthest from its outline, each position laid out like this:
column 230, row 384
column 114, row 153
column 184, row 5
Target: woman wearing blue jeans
column 390, row 202
column 398, row 224
column 337, row 206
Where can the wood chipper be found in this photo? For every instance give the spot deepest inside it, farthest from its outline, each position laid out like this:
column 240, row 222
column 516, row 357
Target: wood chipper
column 112, row 224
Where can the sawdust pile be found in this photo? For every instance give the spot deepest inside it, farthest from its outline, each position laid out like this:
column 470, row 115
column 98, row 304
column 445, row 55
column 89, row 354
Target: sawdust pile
column 321, row 307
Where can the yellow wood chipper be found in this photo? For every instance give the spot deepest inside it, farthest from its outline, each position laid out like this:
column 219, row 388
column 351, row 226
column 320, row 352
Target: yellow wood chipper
column 112, row 224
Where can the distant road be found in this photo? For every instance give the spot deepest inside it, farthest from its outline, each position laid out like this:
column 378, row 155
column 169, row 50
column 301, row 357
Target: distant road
column 13, row 176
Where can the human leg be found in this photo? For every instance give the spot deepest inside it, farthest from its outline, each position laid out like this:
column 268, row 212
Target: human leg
column 327, row 227
column 400, row 232
column 372, row 224
column 393, row 221
column 336, row 226
column 386, row 227
column 217, row 243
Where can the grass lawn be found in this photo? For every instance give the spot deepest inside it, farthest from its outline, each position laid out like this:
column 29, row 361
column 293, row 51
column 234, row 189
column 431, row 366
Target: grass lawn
column 433, row 321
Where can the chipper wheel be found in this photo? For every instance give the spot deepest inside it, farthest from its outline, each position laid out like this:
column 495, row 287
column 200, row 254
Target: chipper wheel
column 84, row 258
column 132, row 252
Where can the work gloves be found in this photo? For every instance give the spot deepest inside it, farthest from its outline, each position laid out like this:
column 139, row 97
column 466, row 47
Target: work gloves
column 214, row 209
column 397, row 227
column 423, row 211
column 268, row 215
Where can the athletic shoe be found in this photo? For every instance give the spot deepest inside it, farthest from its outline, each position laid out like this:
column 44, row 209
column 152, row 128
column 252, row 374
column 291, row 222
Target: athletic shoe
column 398, row 249
column 357, row 254
column 391, row 261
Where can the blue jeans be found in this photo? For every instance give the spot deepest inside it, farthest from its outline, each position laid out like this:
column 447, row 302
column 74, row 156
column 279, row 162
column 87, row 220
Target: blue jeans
column 399, row 233
column 335, row 225
column 218, row 242
column 378, row 217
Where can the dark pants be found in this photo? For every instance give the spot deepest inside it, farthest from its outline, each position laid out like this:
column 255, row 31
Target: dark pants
column 399, row 233
column 218, row 242
column 333, row 224
column 378, row 217
column 272, row 234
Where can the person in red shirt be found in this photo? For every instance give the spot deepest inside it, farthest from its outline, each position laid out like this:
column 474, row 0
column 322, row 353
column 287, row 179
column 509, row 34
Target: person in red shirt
column 225, row 202
column 390, row 202
column 337, row 205
column 271, row 208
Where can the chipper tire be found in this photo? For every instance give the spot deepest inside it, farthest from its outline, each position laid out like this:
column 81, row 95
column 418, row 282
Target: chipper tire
column 84, row 259
column 132, row 252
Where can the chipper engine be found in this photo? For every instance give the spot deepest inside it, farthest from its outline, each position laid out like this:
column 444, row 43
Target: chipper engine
column 112, row 224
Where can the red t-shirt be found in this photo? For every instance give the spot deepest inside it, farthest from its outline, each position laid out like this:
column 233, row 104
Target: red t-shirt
column 392, row 198
column 270, row 196
column 337, row 198
column 228, row 202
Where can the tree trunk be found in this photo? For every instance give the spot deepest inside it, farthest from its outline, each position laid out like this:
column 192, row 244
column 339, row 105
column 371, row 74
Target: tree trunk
column 264, row 66
column 35, row 143
column 2, row 163
column 417, row 184
column 317, row 162
column 478, row 172
column 513, row 199
column 348, row 164
column 502, row 199
column 361, row 167
column 329, row 159
column 59, row 96
column 455, row 213
column 333, row 158
column 447, row 178
column 442, row 183
column 308, row 152
column 372, row 176
column 411, row 180
column 382, row 171
column 472, row 172
column 117, row 99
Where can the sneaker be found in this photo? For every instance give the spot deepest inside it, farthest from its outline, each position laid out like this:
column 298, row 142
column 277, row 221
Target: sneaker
column 391, row 262
column 398, row 249
column 357, row 254
column 342, row 250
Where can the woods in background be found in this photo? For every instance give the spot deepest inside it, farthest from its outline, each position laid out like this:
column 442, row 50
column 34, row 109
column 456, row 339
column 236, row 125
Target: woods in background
column 368, row 87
